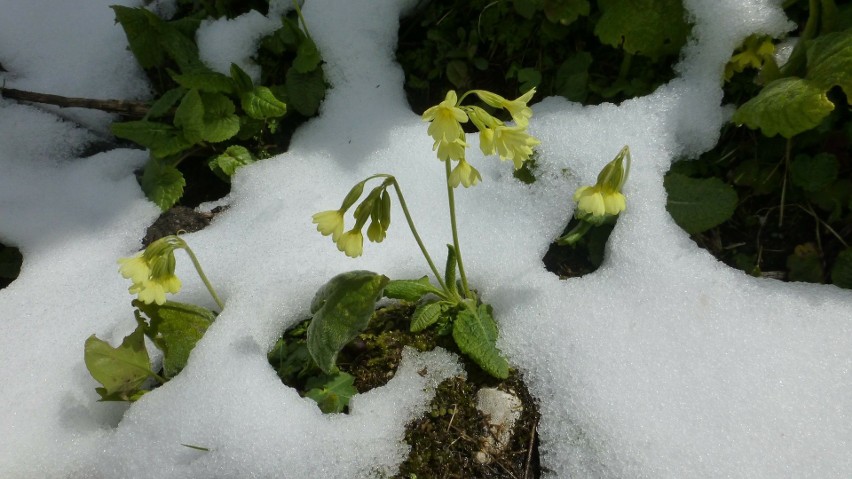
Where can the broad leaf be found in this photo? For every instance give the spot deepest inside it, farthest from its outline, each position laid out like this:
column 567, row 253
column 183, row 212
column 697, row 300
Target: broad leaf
column 260, row 104
column 226, row 164
column 305, row 91
column 426, row 314
column 165, row 103
column 841, row 273
column 476, row 336
column 697, row 205
column 331, row 391
column 410, row 289
column 830, row 61
column 140, row 27
column 813, row 173
column 241, row 79
column 307, row 56
column 189, row 116
column 787, row 106
column 175, row 328
column 805, row 264
column 646, row 27
column 207, row 117
column 205, row 80
column 120, row 370
column 162, row 183
column 565, row 11
column 342, row 308
column 161, row 138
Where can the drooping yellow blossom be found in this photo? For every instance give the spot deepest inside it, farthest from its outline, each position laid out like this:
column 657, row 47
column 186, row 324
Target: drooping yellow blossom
column 450, row 150
column 464, row 174
column 152, row 271
column 521, row 113
column 375, row 232
column 329, row 223
column 604, row 199
column 446, row 119
column 134, row 268
column 351, row 243
column 509, row 142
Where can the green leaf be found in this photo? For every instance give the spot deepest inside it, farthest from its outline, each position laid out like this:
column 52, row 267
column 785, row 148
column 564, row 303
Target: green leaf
column 179, row 47
column 165, row 103
column 450, row 269
column 528, row 78
column 841, row 273
column 426, row 314
column 141, row 28
column 813, row 173
column 476, row 336
column 410, row 289
column 572, row 77
column 10, row 262
column 526, row 8
column 646, row 27
column 175, row 328
column 162, row 183
column 120, row 370
column 207, row 117
column 696, row 204
column 457, row 73
column 331, row 391
column 241, row 79
column 234, row 157
column 260, row 103
column 305, row 91
column 830, row 61
column 565, row 11
column 292, row 361
column 804, row 264
column 189, row 116
column 342, row 308
column 787, row 106
column 161, row 138
column 205, row 80
column 307, row 56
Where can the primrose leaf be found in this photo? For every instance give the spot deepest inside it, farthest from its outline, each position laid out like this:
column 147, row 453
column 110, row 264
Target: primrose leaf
column 697, row 205
column 165, row 103
column 120, row 370
column 787, row 106
column 646, row 27
column 572, row 77
column 410, row 289
column 189, row 116
column 162, row 183
column 140, row 27
column 207, row 117
column 307, row 56
column 331, row 391
column 427, row 314
column 476, row 336
column 457, row 73
column 565, row 11
column 260, row 103
column 830, row 61
column 161, row 138
column 804, row 264
column 450, row 269
column 205, row 80
column 813, row 173
column 178, row 46
column 841, row 273
column 175, row 328
column 241, row 79
column 234, row 157
column 305, row 91
column 342, row 308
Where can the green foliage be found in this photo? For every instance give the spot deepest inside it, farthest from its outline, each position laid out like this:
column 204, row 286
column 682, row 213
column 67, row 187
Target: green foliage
column 841, row 274
column 697, row 205
column 813, row 173
column 410, row 289
column 427, row 314
column 475, row 333
column 203, row 112
column 341, row 308
column 805, row 264
column 121, row 370
column 175, row 328
column 787, row 106
column 331, row 391
column 226, row 164
column 652, row 28
column 162, row 183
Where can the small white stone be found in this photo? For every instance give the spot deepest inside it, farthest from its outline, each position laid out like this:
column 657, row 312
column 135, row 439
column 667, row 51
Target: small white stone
column 502, row 411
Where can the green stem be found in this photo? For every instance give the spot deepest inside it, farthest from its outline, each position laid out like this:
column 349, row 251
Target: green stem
column 414, row 231
column 451, row 198
column 159, row 378
column 302, row 19
column 784, row 180
column 203, row 276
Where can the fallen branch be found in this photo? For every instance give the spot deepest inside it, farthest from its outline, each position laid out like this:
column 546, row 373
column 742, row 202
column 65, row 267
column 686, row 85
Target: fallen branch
column 132, row 109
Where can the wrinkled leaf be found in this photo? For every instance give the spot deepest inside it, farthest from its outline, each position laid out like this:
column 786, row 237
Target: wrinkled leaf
column 427, row 314
column 226, row 164
column 207, row 117
column 787, row 106
column 476, row 336
column 697, row 205
column 813, row 173
column 342, row 308
column 120, row 370
column 175, row 328
column 646, row 27
column 162, row 183
column 260, row 103
column 161, row 138
column 305, row 91
column 805, row 264
column 410, row 289
column 307, row 56
column 165, row 103
column 241, row 79
column 830, row 61
column 572, row 77
column 140, row 27
column 205, row 80
column 331, row 391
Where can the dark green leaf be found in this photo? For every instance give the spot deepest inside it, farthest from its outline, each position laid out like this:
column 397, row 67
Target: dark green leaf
column 260, row 104
column 410, row 289
column 175, row 328
column 841, row 273
column 528, row 78
column 189, row 116
column 805, row 264
column 476, row 336
column 331, row 391
column 830, row 61
column 305, row 91
column 207, row 117
column 162, row 183
column 234, row 157
column 813, row 173
column 165, row 103
column 241, row 79
column 565, row 11
column 697, row 205
column 179, row 47
column 572, row 77
column 457, row 73
column 307, row 56
column 646, row 27
column 10, row 262
column 450, row 269
column 787, row 106
column 205, row 80
column 120, row 370
column 342, row 308
column 141, row 28
column 427, row 314
column 161, row 138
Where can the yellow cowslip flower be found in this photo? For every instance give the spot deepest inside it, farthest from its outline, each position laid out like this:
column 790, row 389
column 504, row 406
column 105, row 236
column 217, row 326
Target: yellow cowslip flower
column 329, row 223
column 375, row 232
column 604, row 199
column 153, row 271
column 464, row 174
column 351, row 243
column 134, row 268
column 510, row 142
column 521, row 113
column 452, row 150
column 446, row 119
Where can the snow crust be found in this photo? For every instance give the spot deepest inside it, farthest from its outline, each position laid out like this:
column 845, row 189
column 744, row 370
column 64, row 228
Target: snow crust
column 663, row 363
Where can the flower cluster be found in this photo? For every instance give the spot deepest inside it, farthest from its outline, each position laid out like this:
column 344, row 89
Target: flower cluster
column 508, row 142
column 375, row 208
column 153, row 270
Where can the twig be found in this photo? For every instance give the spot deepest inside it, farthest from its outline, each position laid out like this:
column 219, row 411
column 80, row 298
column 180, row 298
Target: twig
column 530, row 449
column 133, row 109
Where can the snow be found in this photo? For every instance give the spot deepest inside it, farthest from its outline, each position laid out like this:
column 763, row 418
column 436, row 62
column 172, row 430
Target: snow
column 663, row 363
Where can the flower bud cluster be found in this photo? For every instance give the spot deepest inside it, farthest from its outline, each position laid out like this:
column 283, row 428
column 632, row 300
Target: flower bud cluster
column 375, row 208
